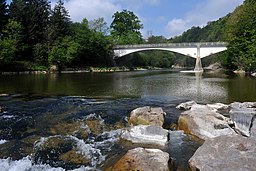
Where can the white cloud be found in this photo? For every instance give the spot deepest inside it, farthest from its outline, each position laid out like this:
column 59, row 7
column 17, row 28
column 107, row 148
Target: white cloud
column 208, row 10
column 176, row 26
column 89, row 9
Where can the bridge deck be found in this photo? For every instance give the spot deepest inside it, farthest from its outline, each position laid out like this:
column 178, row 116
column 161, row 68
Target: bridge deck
column 173, row 45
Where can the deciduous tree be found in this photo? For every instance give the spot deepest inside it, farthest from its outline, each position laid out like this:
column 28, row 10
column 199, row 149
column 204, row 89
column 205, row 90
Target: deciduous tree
column 126, row 28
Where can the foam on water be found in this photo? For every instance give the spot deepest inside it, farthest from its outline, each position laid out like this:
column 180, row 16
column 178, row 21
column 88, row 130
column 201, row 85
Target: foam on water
column 25, row 164
column 89, row 151
column 3, row 141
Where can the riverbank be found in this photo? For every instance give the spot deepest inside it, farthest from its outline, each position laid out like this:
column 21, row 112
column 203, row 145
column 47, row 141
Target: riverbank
column 80, row 70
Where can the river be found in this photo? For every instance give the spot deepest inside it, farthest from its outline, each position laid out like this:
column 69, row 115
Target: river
column 40, row 107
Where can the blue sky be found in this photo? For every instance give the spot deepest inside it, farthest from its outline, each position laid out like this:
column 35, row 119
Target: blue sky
column 161, row 17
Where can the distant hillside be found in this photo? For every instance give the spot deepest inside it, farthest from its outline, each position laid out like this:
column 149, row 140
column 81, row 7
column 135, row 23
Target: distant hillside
column 213, row 31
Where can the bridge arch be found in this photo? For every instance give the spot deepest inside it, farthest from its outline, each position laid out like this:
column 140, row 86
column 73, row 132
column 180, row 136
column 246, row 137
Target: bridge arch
column 194, row 50
column 121, row 53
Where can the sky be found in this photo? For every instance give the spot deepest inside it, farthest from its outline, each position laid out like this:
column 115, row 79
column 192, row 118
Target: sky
column 166, row 18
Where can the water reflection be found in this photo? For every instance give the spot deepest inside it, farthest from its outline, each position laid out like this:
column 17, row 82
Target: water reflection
column 203, row 88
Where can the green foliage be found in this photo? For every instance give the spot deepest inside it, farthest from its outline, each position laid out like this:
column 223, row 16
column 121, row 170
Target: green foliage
column 156, row 39
column 162, row 59
column 59, row 23
column 99, row 25
column 95, row 47
column 63, row 51
column 242, row 36
column 214, row 31
column 3, row 15
column 126, row 28
column 9, row 44
column 7, row 50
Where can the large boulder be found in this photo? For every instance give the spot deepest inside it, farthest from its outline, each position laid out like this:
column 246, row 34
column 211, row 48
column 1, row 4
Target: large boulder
column 146, row 134
column 147, row 116
column 204, row 122
column 143, row 159
column 242, row 114
column 225, row 153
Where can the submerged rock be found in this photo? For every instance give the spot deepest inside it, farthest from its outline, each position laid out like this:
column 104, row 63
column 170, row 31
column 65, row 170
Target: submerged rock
column 144, row 134
column 186, row 105
column 143, row 159
column 147, row 116
column 225, row 153
column 204, row 122
column 1, row 109
column 76, row 128
column 65, row 151
column 181, row 148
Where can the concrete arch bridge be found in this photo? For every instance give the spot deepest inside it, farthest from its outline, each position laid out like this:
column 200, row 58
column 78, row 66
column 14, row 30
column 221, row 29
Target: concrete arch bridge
column 194, row 50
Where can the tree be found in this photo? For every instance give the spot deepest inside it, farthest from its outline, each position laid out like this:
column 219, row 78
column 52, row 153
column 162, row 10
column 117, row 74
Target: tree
column 38, row 17
column 156, row 39
column 10, row 43
column 95, row 48
column 126, row 28
column 99, row 25
column 63, row 52
column 242, row 39
column 59, row 22
column 33, row 15
column 3, row 15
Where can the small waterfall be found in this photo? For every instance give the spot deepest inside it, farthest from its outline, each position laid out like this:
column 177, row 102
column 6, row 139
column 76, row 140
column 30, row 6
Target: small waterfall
column 243, row 120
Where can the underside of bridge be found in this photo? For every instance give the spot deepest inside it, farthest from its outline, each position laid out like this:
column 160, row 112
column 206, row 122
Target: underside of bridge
column 194, row 50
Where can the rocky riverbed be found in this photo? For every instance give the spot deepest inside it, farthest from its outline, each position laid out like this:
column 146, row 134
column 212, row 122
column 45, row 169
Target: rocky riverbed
column 205, row 137
column 228, row 131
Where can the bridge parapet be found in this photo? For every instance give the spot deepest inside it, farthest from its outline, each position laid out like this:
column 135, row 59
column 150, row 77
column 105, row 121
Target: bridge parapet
column 173, row 45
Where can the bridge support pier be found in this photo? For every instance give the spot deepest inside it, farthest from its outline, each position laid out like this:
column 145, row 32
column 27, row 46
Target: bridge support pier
column 198, row 66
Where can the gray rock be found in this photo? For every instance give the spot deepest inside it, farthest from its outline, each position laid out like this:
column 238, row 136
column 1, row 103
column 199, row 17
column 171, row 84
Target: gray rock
column 217, row 106
column 242, row 119
column 143, row 159
column 214, row 66
column 204, row 123
column 186, row 105
column 232, row 153
column 253, row 74
column 144, row 134
column 242, row 115
column 253, row 128
column 147, row 116
column 243, row 105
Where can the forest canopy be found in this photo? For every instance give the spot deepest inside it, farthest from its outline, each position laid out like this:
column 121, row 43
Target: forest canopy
column 36, row 40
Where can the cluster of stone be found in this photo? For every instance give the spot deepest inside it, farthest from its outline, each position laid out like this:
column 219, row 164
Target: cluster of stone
column 145, row 129
column 229, row 133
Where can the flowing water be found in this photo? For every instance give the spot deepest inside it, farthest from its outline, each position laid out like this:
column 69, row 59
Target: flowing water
column 50, row 119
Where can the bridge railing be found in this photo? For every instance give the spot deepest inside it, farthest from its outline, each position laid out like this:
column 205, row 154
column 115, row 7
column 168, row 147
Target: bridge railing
column 168, row 45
